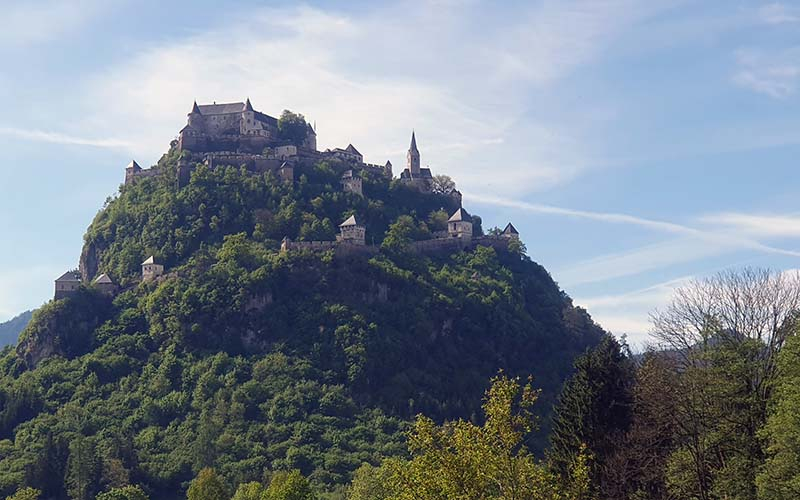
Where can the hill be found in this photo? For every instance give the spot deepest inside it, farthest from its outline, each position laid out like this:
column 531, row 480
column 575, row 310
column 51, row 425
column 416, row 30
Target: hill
column 10, row 330
column 252, row 359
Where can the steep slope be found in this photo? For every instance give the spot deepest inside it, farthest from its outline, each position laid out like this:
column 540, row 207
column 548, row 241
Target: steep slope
column 249, row 359
column 10, row 330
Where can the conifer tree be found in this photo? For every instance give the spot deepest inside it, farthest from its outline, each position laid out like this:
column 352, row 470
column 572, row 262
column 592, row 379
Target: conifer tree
column 593, row 411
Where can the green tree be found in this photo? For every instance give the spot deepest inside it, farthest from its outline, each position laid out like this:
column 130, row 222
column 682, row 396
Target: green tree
column 463, row 460
column 779, row 476
column 292, row 127
column 250, row 491
column 207, row 486
column 123, row 493
column 593, row 411
column 25, row 494
column 371, row 483
column 443, row 184
column 289, row 486
column 82, row 469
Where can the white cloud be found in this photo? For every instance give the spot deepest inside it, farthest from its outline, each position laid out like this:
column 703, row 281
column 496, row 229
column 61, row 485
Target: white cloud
column 628, row 313
column 58, row 138
column 779, row 13
column 760, row 225
column 369, row 78
column 774, row 73
column 37, row 21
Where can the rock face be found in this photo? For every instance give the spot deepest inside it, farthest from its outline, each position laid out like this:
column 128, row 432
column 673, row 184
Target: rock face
column 63, row 327
column 88, row 262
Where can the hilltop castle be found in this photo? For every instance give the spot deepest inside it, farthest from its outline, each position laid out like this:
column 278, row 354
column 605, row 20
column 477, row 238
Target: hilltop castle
column 236, row 134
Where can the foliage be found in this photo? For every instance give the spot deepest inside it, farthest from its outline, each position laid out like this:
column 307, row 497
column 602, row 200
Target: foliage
column 207, row 486
column 25, row 494
column 10, row 330
column 292, row 127
column 593, row 411
column 123, row 493
column 463, row 460
column 779, row 475
column 249, row 360
column 289, row 486
column 443, row 184
column 371, row 483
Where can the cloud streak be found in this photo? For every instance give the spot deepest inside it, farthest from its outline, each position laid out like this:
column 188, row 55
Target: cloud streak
column 59, row 138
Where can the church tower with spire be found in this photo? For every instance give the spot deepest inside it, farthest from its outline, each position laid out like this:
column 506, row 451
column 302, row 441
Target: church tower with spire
column 413, row 163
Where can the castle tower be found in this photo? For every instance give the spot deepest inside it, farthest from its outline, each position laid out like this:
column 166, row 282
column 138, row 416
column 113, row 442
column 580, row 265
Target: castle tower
column 195, row 118
column 151, row 269
column 413, row 157
column 352, row 232
column 131, row 170
column 352, row 183
column 460, row 224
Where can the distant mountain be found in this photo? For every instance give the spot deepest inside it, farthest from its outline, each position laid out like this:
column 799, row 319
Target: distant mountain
column 10, row 330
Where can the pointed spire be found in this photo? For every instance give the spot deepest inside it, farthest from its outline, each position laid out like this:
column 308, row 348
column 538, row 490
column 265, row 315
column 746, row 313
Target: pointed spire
column 248, row 106
column 195, row 109
column 413, row 141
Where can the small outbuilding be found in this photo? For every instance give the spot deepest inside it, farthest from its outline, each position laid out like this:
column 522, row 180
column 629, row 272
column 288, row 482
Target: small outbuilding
column 510, row 232
column 67, row 284
column 460, row 224
column 151, row 269
column 105, row 285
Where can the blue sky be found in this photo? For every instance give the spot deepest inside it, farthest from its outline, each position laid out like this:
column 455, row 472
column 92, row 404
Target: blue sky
column 634, row 144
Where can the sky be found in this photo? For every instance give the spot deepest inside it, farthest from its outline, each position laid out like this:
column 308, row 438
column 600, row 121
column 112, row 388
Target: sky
column 635, row 145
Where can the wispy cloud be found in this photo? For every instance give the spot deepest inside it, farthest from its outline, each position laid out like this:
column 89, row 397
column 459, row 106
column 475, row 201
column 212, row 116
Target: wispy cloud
column 691, row 244
column 341, row 70
column 59, row 138
column 37, row 21
column 779, row 13
column 773, row 73
column 762, row 225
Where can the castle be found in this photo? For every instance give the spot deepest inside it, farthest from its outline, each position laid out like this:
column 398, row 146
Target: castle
column 236, row 134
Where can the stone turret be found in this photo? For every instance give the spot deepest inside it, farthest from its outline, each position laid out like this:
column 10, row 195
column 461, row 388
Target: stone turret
column 131, row 171
column 352, row 232
column 460, row 224
column 351, row 183
column 195, row 118
column 510, row 232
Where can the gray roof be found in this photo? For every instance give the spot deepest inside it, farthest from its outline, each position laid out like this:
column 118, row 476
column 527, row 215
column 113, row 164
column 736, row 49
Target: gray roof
column 351, row 149
column 510, row 229
column 150, row 260
column 103, row 279
column 221, row 109
column 413, row 142
column 71, row 276
column 134, row 165
column 461, row 215
column 351, row 221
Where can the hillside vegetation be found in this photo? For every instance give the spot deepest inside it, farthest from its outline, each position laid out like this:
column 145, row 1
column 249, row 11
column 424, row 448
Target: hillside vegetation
column 253, row 361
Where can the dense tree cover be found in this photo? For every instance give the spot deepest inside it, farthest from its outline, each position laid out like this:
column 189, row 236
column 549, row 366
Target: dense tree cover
column 251, row 361
column 593, row 411
column 462, row 460
column 779, row 475
column 714, row 417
